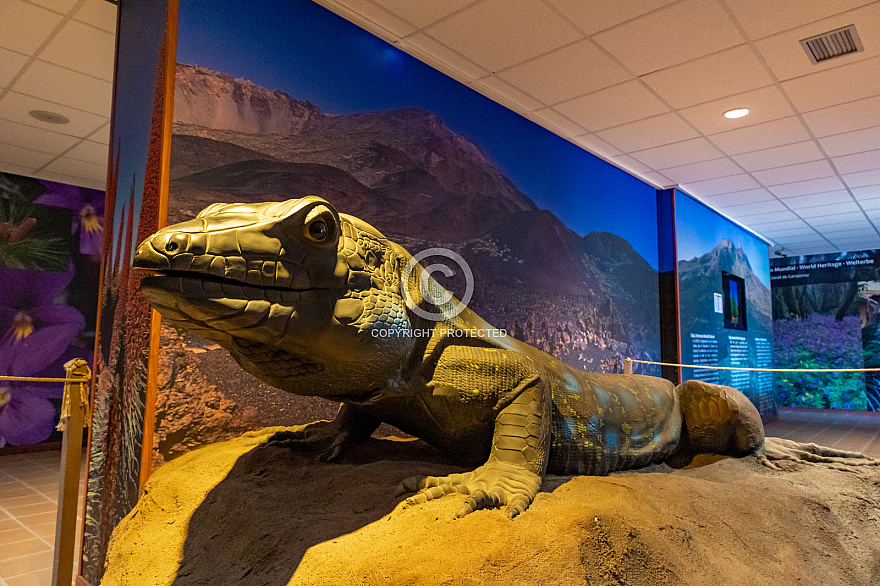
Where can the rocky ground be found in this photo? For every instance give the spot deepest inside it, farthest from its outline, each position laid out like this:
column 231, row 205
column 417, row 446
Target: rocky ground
column 238, row 512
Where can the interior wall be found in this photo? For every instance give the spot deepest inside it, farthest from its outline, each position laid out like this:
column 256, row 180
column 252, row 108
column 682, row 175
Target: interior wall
column 282, row 99
column 825, row 315
column 708, row 245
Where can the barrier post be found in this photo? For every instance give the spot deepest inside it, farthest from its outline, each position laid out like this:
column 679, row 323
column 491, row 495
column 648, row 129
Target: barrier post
column 74, row 416
column 627, row 366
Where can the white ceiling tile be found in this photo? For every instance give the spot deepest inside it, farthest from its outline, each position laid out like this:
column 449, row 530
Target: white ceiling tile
column 680, row 153
column 70, row 88
column 873, row 214
column 421, row 14
column 787, row 59
column 648, row 133
column 767, row 217
column 724, row 185
column 13, row 133
column 844, row 233
column 93, row 183
column 807, row 250
column 761, row 136
column 793, row 173
column 787, row 14
column 439, row 56
column 863, row 178
column 596, row 145
column 801, row 240
column 788, row 233
column 74, row 168
column 597, row 15
column 24, row 26
column 566, row 73
column 845, row 117
column 729, row 72
column 828, row 210
column 632, row 164
column 866, row 193
column 566, row 126
column 612, row 106
column 799, row 152
column 385, row 19
column 671, row 35
column 701, row 171
column 817, row 199
column 864, row 243
column 15, row 169
column 90, row 152
column 82, row 48
column 852, row 219
column 808, row 187
column 102, row 135
column 777, row 225
column 858, row 162
column 98, row 13
column 846, row 83
column 764, row 104
column 499, row 87
column 658, row 179
column 62, row 6
column 754, row 209
column 740, row 197
column 852, row 142
column 496, row 34
column 15, row 107
column 871, row 204
column 10, row 64
column 22, row 157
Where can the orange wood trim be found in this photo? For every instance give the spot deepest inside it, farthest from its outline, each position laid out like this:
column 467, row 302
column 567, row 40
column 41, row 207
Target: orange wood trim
column 165, row 173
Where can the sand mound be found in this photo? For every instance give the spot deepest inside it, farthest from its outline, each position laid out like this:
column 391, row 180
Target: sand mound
column 240, row 513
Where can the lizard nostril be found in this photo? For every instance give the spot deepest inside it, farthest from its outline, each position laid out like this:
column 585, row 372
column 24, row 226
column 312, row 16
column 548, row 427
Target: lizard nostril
column 171, row 247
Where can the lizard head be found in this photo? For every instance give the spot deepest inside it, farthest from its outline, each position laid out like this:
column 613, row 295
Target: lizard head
column 292, row 289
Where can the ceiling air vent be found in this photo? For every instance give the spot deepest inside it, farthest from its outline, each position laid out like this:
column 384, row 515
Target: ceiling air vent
column 836, row 43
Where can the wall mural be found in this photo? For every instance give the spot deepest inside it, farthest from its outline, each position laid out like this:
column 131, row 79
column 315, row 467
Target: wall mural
column 119, row 400
column 50, row 246
column 716, row 261
column 825, row 315
column 563, row 246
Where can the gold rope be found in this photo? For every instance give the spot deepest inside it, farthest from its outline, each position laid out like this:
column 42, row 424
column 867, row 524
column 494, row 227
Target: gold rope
column 39, row 379
column 758, row 369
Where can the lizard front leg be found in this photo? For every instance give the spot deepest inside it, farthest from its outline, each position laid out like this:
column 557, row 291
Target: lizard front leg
column 350, row 426
column 517, row 460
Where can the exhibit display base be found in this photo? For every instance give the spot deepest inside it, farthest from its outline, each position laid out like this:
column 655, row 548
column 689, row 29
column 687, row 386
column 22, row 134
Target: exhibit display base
column 239, row 512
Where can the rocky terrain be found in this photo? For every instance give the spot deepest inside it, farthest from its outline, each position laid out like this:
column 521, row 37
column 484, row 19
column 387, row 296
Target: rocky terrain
column 241, row 513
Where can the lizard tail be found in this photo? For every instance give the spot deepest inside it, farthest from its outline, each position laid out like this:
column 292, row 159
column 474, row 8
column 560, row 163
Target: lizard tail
column 719, row 419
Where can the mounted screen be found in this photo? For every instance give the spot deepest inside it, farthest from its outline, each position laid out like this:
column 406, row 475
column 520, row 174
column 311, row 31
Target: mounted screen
column 734, row 301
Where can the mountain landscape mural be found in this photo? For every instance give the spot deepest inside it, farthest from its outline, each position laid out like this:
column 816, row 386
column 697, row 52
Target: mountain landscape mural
column 589, row 300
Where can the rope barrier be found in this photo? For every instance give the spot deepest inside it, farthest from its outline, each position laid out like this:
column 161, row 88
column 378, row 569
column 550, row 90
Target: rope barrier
column 756, row 369
column 40, row 379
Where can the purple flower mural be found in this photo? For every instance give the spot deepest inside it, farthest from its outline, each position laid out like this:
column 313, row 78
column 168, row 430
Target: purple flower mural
column 35, row 331
column 88, row 207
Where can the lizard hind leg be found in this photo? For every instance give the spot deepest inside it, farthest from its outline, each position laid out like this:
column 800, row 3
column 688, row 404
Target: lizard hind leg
column 719, row 420
column 784, row 454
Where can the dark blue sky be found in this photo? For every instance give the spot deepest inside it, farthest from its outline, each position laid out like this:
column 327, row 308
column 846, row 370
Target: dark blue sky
column 310, row 53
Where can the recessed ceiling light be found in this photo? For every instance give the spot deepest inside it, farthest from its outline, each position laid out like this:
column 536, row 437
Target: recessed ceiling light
column 50, row 117
column 736, row 113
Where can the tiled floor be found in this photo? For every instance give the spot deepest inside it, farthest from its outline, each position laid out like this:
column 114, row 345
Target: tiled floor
column 28, row 508
column 29, row 488
column 845, row 430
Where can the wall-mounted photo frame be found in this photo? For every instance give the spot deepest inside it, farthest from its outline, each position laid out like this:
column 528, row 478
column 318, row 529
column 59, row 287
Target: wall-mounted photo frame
column 734, row 301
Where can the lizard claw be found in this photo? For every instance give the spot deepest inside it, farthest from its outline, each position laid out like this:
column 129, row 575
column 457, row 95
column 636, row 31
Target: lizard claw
column 314, row 436
column 491, row 485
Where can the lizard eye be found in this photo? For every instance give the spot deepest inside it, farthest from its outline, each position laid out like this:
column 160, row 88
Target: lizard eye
column 317, row 230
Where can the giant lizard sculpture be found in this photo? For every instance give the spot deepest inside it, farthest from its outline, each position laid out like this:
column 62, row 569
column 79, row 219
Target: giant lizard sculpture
column 311, row 302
